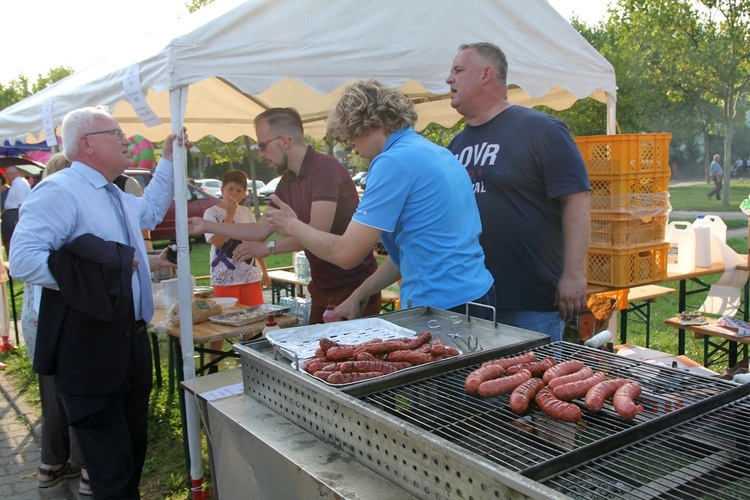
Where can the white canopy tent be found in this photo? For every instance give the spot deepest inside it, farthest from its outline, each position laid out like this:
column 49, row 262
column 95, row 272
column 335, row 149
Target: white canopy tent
column 238, row 58
column 241, row 57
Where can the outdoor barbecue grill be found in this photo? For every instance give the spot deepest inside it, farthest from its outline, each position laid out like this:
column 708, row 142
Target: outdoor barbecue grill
column 421, row 431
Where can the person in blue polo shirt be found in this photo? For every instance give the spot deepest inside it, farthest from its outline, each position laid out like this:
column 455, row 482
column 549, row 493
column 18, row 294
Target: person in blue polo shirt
column 419, row 202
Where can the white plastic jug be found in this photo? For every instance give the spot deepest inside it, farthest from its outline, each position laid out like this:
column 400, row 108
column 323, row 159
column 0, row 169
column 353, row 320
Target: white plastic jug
column 702, row 227
column 681, row 237
column 718, row 230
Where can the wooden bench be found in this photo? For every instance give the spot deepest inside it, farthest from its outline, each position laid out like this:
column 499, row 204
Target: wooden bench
column 715, row 340
column 639, row 303
column 390, row 300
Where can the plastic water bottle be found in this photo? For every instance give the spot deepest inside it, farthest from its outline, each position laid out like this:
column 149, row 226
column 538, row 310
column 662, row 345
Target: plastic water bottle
column 301, row 266
column 329, row 315
column 599, row 339
column 702, row 227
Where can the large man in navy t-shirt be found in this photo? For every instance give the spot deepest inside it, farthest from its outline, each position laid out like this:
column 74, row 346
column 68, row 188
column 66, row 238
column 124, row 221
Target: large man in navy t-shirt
column 533, row 194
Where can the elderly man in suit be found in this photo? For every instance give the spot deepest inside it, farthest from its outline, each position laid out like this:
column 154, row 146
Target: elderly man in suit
column 79, row 238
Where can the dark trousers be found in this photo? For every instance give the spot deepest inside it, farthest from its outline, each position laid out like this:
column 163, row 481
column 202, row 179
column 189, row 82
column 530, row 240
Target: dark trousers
column 717, row 188
column 59, row 443
column 113, row 430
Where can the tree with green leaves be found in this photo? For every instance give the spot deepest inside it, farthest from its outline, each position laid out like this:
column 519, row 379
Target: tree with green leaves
column 699, row 50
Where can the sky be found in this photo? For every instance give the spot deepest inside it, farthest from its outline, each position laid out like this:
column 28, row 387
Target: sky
column 38, row 35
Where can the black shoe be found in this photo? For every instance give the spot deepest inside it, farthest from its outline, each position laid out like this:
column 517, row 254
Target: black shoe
column 709, row 196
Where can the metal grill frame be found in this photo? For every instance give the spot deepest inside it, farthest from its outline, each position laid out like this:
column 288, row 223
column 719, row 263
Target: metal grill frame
column 421, row 463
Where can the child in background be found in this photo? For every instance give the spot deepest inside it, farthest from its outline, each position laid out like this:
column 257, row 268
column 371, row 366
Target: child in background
column 243, row 280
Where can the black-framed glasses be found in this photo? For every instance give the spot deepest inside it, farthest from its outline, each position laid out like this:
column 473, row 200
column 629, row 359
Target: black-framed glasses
column 119, row 134
column 263, row 145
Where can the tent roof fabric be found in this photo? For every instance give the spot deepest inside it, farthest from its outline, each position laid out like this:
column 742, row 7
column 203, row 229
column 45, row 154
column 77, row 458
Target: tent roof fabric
column 241, row 57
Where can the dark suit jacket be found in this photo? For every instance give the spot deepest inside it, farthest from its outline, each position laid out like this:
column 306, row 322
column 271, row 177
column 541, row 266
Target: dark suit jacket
column 83, row 337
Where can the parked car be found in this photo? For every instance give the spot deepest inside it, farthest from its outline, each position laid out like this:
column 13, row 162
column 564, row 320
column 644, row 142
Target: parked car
column 266, row 191
column 359, row 176
column 210, row 186
column 198, row 202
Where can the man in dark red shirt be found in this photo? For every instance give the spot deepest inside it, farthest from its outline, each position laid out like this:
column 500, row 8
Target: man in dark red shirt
column 322, row 194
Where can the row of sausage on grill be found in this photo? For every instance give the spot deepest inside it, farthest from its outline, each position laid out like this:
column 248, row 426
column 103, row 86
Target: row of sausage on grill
column 552, row 386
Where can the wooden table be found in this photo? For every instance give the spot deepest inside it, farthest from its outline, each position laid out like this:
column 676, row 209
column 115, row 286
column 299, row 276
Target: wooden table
column 285, row 280
column 682, row 292
column 207, row 332
column 727, row 344
column 203, row 333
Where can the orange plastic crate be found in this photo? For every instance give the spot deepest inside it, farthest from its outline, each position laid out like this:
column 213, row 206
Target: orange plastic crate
column 633, row 266
column 637, row 194
column 625, row 153
column 624, row 231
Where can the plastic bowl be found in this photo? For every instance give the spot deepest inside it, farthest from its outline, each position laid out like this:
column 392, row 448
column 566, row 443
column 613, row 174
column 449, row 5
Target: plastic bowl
column 225, row 302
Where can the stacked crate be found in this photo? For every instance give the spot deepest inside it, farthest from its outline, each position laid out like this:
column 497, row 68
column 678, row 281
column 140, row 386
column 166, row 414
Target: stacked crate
column 629, row 175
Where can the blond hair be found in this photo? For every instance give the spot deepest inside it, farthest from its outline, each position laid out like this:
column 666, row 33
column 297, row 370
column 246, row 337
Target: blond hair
column 56, row 163
column 370, row 105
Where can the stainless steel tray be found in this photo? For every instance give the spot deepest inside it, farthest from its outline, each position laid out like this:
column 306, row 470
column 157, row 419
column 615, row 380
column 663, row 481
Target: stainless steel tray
column 249, row 315
column 299, row 344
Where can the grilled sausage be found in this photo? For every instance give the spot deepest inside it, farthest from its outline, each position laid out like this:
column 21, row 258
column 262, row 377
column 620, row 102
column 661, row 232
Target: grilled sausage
column 600, row 392
column 314, row 365
column 326, row 343
column 340, row 353
column 560, row 369
column 526, row 357
column 581, row 374
column 366, row 356
column 367, row 366
column 524, row 393
column 345, row 378
column 437, row 347
column 413, row 357
column 549, row 404
column 578, row 389
column 422, row 339
column 482, row 374
column 624, row 400
column 379, row 348
column 503, row 385
column 450, row 352
column 537, row 368
column 322, row 374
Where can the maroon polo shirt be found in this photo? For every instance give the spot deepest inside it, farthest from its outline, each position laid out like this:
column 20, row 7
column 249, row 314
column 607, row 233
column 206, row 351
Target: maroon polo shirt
column 323, row 178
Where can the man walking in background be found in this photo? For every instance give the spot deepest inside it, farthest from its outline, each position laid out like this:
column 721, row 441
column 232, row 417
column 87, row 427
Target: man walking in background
column 716, row 173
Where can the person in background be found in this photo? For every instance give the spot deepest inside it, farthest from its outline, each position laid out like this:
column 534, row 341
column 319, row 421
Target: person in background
column 321, row 192
column 418, row 202
column 3, row 190
column 17, row 193
column 716, row 173
column 533, row 193
column 131, row 186
column 79, row 237
column 230, row 277
column 60, row 455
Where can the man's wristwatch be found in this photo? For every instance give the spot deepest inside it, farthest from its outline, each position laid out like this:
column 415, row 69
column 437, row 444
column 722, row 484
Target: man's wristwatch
column 272, row 247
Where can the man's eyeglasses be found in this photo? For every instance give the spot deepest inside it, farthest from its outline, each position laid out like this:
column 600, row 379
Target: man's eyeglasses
column 263, row 145
column 119, row 134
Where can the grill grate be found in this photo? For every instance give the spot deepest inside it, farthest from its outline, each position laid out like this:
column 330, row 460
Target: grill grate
column 705, row 457
column 530, row 444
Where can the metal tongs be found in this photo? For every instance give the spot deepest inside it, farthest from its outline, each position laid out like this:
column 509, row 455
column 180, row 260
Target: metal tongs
column 471, row 342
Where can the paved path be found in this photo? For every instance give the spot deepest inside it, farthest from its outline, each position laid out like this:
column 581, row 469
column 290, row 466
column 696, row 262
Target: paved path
column 19, row 450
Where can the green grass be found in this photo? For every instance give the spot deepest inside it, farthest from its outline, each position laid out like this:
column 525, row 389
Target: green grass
column 694, row 197
column 164, row 471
